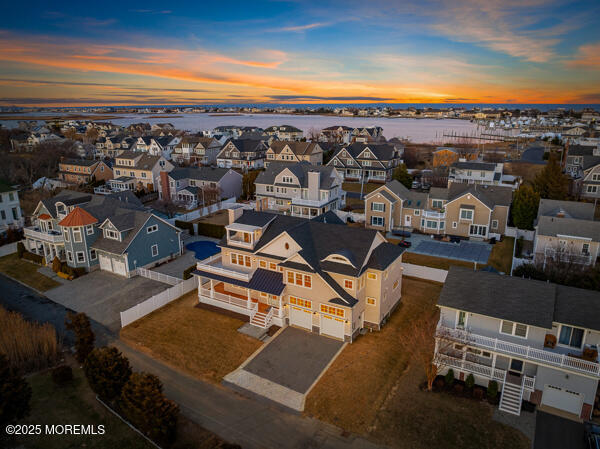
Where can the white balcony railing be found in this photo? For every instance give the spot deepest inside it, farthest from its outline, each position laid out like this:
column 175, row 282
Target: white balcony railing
column 307, row 202
column 228, row 299
column 433, row 214
column 215, row 266
column 565, row 255
column 46, row 236
column 521, row 351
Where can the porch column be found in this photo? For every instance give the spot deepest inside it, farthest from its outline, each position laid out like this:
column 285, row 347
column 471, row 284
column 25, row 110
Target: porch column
column 248, row 301
column 280, row 309
column 212, row 289
column 45, row 249
column 493, row 364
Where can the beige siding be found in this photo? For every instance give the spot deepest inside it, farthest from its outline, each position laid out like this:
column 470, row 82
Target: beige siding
column 481, row 215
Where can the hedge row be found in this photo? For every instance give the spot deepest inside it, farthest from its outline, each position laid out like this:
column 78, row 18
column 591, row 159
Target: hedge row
column 185, row 225
column 35, row 258
column 211, row 230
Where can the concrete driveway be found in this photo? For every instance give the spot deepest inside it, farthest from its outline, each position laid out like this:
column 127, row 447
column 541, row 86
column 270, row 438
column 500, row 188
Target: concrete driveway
column 102, row 296
column 286, row 369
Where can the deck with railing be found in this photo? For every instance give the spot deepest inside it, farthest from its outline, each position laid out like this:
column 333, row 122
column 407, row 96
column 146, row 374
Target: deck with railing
column 522, row 351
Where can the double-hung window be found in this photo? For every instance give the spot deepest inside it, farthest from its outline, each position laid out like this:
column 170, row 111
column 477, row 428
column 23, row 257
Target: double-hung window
column 512, row 328
column 377, row 221
column 466, row 214
column 378, row 207
column 570, row 336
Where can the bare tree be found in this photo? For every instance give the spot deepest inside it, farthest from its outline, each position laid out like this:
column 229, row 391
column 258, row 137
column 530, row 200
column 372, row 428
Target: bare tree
column 425, row 346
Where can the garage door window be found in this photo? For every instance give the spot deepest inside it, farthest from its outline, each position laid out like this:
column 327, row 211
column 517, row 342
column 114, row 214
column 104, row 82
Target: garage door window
column 301, row 302
column 332, row 310
column 570, row 336
column 154, row 249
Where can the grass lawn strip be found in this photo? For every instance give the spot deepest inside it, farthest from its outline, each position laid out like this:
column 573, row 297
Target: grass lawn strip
column 26, row 272
column 200, row 342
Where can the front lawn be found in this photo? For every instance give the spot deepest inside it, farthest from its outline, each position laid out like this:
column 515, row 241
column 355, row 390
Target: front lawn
column 434, row 262
column 200, row 342
column 372, row 389
column 26, row 272
column 367, row 187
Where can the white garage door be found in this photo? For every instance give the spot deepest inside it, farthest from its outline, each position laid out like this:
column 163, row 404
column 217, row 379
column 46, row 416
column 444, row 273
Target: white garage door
column 562, row 399
column 301, row 318
column 119, row 267
column 332, row 327
column 105, row 263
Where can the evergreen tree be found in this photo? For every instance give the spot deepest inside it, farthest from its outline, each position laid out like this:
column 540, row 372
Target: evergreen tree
column 144, row 404
column 84, row 336
column 15, row 394
column 551, row 182
column 107, row 371
column 525, row 206
column 401, row 175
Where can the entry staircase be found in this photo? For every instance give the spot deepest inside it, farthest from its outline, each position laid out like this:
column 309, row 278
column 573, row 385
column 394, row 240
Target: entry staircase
column 262, row 319
column 512, row 394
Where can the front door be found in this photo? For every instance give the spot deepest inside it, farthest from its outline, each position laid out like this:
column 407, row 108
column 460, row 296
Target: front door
column 407, row 220
column 516, row 367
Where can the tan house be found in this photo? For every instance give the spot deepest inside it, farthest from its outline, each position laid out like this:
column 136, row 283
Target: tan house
column 565, row 231
column 326, row 278
column 143, row 168
column 294, row 152
column 82, row 171
column 465, row 210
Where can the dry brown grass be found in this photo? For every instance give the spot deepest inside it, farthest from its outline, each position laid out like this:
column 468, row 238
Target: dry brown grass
column 367, row 187
column 435, row 262
column 501, row 256
column 29, row 346
column 202, row 343
column 373, row 389
column 26, row 272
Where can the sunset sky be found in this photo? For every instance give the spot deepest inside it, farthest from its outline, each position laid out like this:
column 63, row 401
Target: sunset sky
column 461, row 51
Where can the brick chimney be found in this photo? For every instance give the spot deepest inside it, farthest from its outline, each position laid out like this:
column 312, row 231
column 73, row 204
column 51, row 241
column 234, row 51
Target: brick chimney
column 164, row 185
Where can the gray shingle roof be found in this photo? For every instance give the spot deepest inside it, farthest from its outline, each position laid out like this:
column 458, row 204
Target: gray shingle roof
column 510, row 298
column 384, row 255
column 262, row 280
column 491, row 196
column 211, row 174
column 577, row 307
column 553, row 226
column 570, row 209
column 300, row 170
column 474, row 165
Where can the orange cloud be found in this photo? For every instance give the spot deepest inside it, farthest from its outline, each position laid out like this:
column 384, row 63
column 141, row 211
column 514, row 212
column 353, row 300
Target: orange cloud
column 587, row 56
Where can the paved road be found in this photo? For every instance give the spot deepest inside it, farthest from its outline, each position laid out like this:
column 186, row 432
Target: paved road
column 248, row 422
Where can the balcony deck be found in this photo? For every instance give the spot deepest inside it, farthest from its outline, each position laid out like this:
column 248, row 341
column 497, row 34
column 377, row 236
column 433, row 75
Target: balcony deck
column 36, row 233
column 538, row 355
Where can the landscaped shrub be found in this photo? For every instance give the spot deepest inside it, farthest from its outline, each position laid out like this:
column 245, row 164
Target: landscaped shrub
column 107, row 371
column 492, row 390
column 20, row 249
column 211, row 230
column 56, row 265
column 439, row 383
column 449, row 378
column 79, row 271
column 35, row 258
column 144, row 405
column 458, row 388
column 185, row 225
column 187, row 273
column 470, row 382
column 62, row 375
column 80, row 324
column 478, row 393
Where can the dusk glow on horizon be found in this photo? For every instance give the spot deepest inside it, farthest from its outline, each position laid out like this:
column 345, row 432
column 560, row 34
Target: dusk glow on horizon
column 431, row 51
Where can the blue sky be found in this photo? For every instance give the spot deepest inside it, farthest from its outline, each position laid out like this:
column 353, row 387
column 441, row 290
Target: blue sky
column 527, row 51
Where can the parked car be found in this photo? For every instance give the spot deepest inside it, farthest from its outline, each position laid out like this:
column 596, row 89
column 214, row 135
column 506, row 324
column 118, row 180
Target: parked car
column 415, row 185
column 426, row 186
column 592, row 435
column 404, row 243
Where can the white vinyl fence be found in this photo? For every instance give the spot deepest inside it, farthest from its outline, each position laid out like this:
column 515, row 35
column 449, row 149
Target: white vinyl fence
column 356, row 217
column 157, row 301
column 516, row 233
column 10, row 248
column 419, row 271
column 156, row 276
column 203, row 211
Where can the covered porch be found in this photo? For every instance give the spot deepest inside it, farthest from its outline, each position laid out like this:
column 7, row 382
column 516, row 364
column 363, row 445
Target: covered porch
column 260, row 298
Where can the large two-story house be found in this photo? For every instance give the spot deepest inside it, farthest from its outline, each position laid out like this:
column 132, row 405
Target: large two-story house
column 583, row 165
column 284, row 132
column 242, row 153
column 196, row 150
column 141, row 168
column 464, row 210
column 111, row 232
column 284, row 151
column 11, row 216
column 326, row 278
column 538, row 341
column 476, row 172
column 300, row 189
column 194, row 186
column 82, row 171
column 565, row 232
column 367, row 162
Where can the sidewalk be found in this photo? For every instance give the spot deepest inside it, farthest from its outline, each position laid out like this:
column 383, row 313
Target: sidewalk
column 247, row 422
